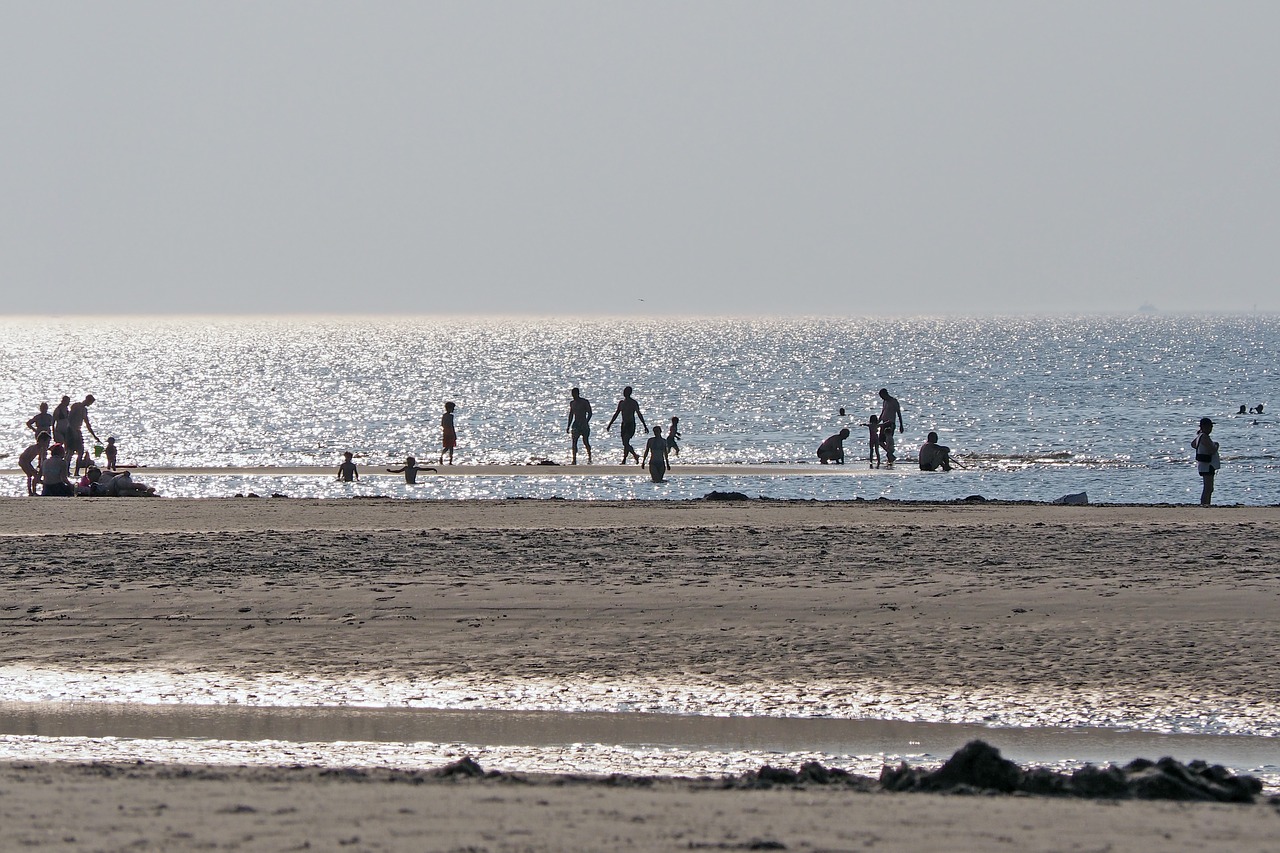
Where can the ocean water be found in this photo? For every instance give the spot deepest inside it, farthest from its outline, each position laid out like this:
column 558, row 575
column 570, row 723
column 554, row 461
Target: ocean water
column 1036, row 407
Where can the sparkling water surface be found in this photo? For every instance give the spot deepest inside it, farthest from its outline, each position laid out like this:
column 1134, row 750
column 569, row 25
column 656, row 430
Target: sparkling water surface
column 1036, row 407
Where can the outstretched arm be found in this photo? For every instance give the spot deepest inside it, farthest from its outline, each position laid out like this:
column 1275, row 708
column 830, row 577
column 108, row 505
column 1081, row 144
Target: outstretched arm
column 616, row 412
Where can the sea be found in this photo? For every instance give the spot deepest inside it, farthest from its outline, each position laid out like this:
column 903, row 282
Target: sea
column 1034, row 408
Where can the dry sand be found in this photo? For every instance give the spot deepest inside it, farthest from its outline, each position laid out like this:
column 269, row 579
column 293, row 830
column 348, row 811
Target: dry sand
column 1045, row 610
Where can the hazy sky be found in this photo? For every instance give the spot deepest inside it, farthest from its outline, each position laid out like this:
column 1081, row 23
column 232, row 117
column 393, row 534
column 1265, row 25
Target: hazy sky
column 576, row 158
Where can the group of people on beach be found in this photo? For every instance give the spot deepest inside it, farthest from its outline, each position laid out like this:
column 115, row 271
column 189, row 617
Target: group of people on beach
column 881, row 430
column 658, row 449
column 58, row 454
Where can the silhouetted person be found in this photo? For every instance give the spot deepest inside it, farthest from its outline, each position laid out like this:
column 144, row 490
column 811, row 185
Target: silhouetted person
column 1207, row 460
column 448, row 436
column 77, row 417
column 410, row 470
column 933, row 455
column 888, row 412
column 347, row 471
column 579, row 423
column 655, row 454
column 873, row 442
column 41, row 421
column 628, row 409
column 832, row 449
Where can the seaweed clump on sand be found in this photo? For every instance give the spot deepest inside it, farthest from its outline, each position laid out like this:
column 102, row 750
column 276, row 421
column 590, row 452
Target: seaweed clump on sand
column 979, row 768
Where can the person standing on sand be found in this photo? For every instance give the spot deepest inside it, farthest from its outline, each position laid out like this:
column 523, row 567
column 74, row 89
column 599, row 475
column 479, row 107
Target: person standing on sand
column 629, row 410
column 655, row 454
column 449, row 437
column 890, row 410
column 32, row 461
column 579, row 423
column 60, row 415
column 1207, row 460
column 873, row 448
column 347, row 470
column 77, row 417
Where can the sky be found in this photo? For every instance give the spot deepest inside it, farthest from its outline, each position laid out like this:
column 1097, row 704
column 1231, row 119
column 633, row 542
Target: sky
column 721, row 157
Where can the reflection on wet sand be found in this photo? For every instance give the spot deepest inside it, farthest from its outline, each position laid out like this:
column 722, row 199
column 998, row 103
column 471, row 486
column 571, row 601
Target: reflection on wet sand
column 556, row 741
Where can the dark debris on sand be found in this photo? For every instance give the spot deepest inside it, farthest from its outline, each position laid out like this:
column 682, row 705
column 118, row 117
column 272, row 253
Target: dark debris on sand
column 976, row 769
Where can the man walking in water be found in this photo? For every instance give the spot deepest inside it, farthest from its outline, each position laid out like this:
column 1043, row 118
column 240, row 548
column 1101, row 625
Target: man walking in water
column 629, row 409
column 579, row 423
column 888, row 412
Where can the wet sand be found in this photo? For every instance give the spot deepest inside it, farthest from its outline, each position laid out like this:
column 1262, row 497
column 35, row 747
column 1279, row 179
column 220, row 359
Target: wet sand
column 1046, row 615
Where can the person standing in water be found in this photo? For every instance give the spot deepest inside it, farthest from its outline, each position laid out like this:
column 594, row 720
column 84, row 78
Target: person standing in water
column 449, row 437
column 410, row 470
column 888, row 412
column 672, row 439
column 629, row 410
column 347, row 471
column 579, row 425
column 1207, row 460
column 655, row 455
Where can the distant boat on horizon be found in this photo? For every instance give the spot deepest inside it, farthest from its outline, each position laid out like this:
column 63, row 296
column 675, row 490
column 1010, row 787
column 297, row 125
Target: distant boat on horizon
column 1147, row 308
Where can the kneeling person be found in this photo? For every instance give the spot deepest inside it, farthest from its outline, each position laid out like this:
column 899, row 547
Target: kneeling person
column 934, row 456
column 832, row 449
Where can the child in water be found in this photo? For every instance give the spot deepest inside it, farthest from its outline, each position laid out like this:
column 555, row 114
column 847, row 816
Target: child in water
column 673, row 434
column 410, row 470
column 347, row 470
column 873, row 454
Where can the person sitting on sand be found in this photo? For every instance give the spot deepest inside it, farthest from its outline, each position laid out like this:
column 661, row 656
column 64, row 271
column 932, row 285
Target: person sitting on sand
column 32, row 459
column 54, row 475
column 347, row 471
column 933, row 455
column 832, row 449
column 410, row 470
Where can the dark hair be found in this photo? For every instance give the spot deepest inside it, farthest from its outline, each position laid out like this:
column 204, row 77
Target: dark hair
column 1206, row 424
column 933, row 436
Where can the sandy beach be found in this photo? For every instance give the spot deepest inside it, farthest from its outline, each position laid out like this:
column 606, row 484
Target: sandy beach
column 1039, row 615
